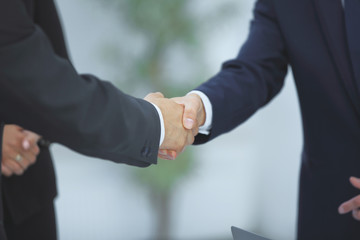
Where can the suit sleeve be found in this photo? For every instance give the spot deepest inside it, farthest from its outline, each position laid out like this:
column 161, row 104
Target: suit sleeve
column 252, row 79
column 42, row 92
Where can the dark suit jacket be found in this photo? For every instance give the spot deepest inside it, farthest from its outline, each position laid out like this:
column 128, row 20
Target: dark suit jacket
column 41, row 91
column 310, row 36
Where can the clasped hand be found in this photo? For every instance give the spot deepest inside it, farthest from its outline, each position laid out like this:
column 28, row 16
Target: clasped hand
column 182, row 118
column 19, row 150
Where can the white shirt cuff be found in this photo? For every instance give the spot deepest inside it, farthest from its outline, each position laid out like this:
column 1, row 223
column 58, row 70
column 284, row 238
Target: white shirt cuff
column 162, row 133
column 205, row 129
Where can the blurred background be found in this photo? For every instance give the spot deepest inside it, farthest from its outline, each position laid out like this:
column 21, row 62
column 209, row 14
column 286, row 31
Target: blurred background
column 247, row 178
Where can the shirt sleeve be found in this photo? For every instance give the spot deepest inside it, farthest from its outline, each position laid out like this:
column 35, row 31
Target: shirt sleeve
column 206, row 128
column 162, row 125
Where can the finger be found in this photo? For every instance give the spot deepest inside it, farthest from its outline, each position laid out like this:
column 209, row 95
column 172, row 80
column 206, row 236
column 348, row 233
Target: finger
column 14, row 167
column 30, row 142
column 11, row 154
column 190, row 114
column 167, row 154
column 5, row 171
column 179, row 100
column 164, row 152
column 28, row 150
column 350, row 205
column 28, row 157
column 35, row 150
column 21, row 146
column 355, row 182
column 166, row 157
column 31, row 146
column 356, row 214
column 33, row 137
column 195, row 131
column 170, row 154
column 154, row 95
column 31, row 153
column 190, row 138
column 26, row 144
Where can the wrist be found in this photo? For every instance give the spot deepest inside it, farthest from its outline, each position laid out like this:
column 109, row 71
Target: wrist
column 162, row 124
column 201, row 114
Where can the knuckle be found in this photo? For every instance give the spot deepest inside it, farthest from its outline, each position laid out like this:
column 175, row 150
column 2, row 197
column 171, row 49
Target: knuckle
column 6, row 160
column 178, row 149
column 347, row 207
column 13, row 143
column 159, row 94
column 190, row 112
column 6, row 148
column 33, row 160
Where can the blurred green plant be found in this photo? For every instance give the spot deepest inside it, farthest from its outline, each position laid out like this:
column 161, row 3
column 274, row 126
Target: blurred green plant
column 161, row 50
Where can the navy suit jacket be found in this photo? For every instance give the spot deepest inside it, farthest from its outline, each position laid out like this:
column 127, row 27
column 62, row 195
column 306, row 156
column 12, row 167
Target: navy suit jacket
column 310, row 36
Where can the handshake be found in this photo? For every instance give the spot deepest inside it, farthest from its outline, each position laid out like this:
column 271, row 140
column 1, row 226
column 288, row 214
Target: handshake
column 182, row 118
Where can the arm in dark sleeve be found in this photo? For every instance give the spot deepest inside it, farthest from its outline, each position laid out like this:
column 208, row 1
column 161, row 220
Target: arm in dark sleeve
column 252, row 79
column 43, row 93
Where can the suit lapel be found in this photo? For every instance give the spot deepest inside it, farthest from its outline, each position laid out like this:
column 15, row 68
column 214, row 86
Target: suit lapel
column 332, row 21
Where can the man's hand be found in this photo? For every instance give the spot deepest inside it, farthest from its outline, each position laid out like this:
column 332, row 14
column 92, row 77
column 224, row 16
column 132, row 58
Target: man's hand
column 176, row 136
column 194, row 113
column 19, row 150
column 353, row 205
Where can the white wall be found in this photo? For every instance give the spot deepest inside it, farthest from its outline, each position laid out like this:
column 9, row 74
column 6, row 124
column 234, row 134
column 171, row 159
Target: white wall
column 248, row 178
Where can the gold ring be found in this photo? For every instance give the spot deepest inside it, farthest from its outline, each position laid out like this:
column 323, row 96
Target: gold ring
column 18, row 158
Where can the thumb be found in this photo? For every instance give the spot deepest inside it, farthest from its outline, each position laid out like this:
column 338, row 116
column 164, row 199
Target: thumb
column 189, row 117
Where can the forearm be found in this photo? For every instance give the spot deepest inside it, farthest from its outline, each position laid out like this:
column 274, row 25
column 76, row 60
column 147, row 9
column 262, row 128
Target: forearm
column 83, row 113
column 252, row 79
